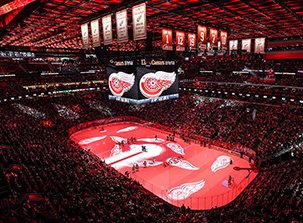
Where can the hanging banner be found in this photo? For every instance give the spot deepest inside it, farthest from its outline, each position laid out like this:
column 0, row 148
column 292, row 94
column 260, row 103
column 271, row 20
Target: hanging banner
column 246, row 45
column 223, row 38
column 167, row 39
column 192, row 41
column 213, row 37
column 233, row 45
column 139, row 21
column 208, row 47
column 95, row 32
column 121, row 23
column 180, row 41
column 220, row 49
column 107, row 29
column 202, row 37
column 84, row 31
column 260, row 45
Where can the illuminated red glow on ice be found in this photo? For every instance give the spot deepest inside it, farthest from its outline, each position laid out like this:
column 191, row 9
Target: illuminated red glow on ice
column 178, row 172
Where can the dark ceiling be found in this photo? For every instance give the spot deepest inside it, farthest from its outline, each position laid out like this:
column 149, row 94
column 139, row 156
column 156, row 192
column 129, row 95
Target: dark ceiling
column 56, row 23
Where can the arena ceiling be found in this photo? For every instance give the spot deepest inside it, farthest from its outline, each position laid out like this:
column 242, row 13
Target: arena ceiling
column 56, row 23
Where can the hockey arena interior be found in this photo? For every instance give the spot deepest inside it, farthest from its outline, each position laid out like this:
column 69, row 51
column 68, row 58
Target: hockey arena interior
column 169, row 111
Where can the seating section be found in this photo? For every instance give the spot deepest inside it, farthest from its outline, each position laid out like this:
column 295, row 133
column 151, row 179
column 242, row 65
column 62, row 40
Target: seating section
column 245, row 69
column 50, row 179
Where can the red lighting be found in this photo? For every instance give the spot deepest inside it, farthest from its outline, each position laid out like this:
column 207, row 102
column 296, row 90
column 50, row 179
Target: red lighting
column 14, row 5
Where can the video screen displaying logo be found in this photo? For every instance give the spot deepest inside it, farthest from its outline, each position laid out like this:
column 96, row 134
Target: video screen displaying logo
column 153, row 84
column 156, row 81
column 142, row 84
column 120, row 82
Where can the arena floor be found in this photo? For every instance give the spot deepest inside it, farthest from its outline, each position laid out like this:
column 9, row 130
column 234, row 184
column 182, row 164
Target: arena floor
column 178, row 172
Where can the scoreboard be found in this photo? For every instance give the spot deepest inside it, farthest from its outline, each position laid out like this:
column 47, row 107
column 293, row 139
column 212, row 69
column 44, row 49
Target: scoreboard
column 138, row 82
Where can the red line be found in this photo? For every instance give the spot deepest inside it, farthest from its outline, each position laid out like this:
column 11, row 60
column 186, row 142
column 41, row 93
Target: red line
column 117, row 161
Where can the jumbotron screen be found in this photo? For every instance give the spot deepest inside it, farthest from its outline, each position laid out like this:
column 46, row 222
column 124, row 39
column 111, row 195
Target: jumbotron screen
column 142, row 83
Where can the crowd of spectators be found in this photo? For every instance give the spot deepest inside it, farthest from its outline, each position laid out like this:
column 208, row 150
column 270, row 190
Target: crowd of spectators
column 51, row 179
column 46, row 64
column 246, row 69
column 256, row 93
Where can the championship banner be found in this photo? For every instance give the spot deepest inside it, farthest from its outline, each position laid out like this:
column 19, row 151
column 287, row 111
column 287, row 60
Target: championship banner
column 167, row 39
column 84, row 31
column 107, row 29
column 95, row 32
column 202, row 37
column 260, row 45
column 213, row 37
column 139, row 21
column 180, row 41
column 246, row 45
column 223, row 38
column 121, row 22
column 233, row 45
column 192, row 41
